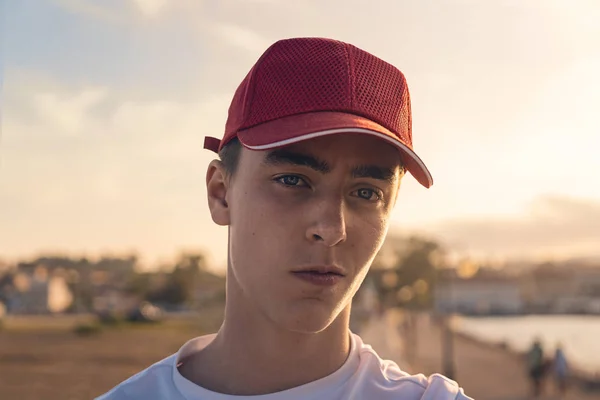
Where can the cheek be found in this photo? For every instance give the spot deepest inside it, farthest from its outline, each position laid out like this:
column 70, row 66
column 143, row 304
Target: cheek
column 278, row 213
column 251, row 254
column 260, row 227
column 369, row 233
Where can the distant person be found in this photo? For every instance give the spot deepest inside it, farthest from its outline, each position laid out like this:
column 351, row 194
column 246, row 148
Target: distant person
column 560, row 370
column 536, row 367
column 316, row 143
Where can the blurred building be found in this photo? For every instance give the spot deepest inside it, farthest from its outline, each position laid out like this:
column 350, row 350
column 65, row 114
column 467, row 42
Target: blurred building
column 114, row 301
column 544, row 289
column 485, row 293
column 558, row 288
column 545, row 285
column 36, row 292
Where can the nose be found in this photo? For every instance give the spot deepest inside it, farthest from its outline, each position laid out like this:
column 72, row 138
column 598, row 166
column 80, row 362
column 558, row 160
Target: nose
column 329, row 226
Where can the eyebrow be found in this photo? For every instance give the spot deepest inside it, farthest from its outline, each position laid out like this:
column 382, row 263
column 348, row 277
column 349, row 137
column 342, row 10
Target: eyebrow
column 375, row 172
column 286, row 157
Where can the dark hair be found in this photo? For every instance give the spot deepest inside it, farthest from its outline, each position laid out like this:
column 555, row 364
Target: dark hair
column 230, row 155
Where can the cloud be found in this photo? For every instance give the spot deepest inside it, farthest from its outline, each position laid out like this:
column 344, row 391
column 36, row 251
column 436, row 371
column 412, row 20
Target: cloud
column 151, row 8
column 241, row 37
column 93, row 10
column 87, row 168
column 553, row 225
column 148, row 9
column 66, row 113
column 85, row 124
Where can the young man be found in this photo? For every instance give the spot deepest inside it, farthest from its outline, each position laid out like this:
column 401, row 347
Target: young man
column 316, row 143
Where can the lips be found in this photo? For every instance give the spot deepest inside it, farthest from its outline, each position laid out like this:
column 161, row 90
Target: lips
column 322, row 270
column 320, row 275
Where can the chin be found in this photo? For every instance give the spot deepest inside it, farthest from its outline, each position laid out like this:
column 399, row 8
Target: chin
column 309, row 327
column 308, row 321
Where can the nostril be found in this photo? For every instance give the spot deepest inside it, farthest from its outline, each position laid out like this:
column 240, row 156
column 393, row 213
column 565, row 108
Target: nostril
column 317, row 237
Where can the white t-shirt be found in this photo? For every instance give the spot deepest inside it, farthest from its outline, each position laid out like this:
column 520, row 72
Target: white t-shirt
column 364, row 375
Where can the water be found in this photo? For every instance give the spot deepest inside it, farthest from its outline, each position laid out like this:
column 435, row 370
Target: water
column 580, row 335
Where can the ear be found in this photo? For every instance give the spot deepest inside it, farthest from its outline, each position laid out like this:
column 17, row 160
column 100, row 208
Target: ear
column 217, row 184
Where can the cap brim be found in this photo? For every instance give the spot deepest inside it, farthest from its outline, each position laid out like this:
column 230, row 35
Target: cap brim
column 297, row 128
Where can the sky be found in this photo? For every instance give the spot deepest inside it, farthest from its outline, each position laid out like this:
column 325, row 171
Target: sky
column 105, row 106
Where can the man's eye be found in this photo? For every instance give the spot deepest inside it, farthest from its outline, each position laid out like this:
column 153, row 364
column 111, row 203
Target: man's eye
column 368, row 194
column 291, row 180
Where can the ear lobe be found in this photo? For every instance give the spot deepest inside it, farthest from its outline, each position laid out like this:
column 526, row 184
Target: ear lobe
column 216, row 191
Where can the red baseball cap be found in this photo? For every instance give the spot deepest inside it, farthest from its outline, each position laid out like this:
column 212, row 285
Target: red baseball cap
column 304, row 88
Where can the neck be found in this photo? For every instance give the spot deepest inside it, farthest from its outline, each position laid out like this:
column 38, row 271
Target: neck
column 252, row 356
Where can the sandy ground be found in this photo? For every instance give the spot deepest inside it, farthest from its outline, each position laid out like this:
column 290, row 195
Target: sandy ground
column 46, row 360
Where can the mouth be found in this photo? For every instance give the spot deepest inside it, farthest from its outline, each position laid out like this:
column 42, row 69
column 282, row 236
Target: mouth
column 322, row 270
column 320, row 275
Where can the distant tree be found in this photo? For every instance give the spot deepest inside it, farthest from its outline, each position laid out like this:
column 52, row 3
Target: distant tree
column 139, row 284
column 418, row 270
column 405, row 270
column 181, row 282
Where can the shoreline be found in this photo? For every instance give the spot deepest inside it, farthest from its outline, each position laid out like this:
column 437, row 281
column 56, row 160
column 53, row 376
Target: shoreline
column 587, row 380
column 486, row 371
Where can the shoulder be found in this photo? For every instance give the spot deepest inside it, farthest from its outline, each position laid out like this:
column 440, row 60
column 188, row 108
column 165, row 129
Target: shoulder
column 384, row 379
column 155, row 382
column 441, row 388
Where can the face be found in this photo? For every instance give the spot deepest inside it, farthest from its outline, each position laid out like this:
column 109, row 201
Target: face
column 297, row 212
